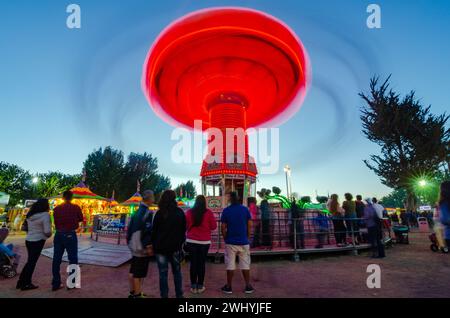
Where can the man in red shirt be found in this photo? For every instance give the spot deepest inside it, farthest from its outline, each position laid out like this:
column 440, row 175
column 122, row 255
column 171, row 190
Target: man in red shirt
column 67, row 218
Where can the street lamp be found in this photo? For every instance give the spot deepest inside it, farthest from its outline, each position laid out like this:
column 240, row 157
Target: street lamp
column 287, row 171
column 34, row 181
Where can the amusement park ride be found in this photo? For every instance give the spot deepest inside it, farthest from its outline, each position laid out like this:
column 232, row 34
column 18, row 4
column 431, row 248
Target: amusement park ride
column 230, row 68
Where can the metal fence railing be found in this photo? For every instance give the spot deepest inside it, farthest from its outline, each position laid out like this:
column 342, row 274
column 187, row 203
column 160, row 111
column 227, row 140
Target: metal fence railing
column 279, row 232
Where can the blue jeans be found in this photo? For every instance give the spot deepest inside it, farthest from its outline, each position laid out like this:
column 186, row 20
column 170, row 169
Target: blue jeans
column 7, row 249
column 163, row 267
column 63, row 241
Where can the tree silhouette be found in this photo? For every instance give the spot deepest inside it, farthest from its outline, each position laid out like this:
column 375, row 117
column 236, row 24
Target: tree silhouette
column 186, row 190
column 413, row 141
column 16, row 182
column 104, row 171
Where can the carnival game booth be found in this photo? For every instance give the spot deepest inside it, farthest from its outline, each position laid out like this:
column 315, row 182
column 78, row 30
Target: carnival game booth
column 112, row 226
column 90, row 203
column 132, row 204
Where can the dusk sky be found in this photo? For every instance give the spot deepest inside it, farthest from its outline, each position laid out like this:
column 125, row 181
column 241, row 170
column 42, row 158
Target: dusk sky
column 65, row 92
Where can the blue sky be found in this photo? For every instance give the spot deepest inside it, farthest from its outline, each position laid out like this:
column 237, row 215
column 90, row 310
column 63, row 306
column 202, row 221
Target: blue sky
column 65, row 92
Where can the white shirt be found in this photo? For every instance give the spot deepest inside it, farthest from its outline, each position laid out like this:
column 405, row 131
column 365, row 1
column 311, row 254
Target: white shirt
column 39, row 227
column 379, row 209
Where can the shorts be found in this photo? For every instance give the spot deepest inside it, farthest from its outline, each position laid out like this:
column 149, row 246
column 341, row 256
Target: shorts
column 242, row 251
column 139, row 266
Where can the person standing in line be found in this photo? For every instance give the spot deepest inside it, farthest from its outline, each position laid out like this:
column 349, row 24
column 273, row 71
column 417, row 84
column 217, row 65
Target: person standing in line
column 265, row 222
column 200, row 222
column 373, row 221
column 168, row 236
column 359, row 208
column 381, row 213
column 39, row 229
column 236, row 224
column 444, row 209
column 349, row 207
column 67, row 218
column 139, row 242
column 296, row 219
column 321, row 224
column 378, row 207
column 338, row 220
column 256, row 220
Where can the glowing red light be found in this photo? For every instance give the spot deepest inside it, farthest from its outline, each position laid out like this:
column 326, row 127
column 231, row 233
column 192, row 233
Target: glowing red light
column 215, row 51
column 229, row 68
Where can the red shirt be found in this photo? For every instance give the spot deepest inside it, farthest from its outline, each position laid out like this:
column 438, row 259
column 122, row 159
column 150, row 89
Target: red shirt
column 67, row 217
column 201, row 233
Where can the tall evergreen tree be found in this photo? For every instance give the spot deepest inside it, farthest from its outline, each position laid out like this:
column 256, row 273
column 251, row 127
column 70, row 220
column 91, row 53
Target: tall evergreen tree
column 413, row 141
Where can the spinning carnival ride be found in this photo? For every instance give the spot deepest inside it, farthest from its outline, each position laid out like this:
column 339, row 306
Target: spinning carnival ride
column 228, row 68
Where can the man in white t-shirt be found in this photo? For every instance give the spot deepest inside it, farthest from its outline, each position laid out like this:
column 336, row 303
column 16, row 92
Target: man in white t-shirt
column 378, row 208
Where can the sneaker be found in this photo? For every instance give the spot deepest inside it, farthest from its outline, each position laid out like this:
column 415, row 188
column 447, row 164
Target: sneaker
column 29, row 287
column 227, row 289
column 55, row 288
column 194, row 290
column 249, row 289
column 141, row 295
column 201, row 290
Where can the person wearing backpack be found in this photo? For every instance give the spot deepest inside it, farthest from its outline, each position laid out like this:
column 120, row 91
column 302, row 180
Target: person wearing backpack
column 373, row 219
column 139, row 243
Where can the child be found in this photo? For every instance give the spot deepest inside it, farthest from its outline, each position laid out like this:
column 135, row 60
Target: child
column 7, row 249
column 321, row 223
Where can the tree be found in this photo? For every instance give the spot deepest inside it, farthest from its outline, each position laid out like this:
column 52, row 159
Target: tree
column 53, row 183
column 322, row 199
column 186, row 190
column 276, row 190
column 104, row 170
column 305, row 199
column 263, row 193
column 413, row 141
column 142, row 168
column 162, row 184
column 396, row 199
column 16, row 182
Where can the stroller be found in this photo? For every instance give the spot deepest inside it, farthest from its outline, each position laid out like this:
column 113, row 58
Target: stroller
column 8, row 264
column 401, row 234
column 437, row 240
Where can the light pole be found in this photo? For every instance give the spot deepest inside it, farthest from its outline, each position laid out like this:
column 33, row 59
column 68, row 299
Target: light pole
column 35, row 181
column 287, row 171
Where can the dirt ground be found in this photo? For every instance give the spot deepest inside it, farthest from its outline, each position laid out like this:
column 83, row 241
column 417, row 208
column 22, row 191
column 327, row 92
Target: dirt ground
column 407, row 271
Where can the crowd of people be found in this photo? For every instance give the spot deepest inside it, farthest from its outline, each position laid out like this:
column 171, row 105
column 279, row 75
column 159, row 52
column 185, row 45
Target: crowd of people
column 170, row 233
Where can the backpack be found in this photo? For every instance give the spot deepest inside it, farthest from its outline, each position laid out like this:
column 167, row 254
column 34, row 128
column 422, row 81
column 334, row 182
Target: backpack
column 135, row 244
